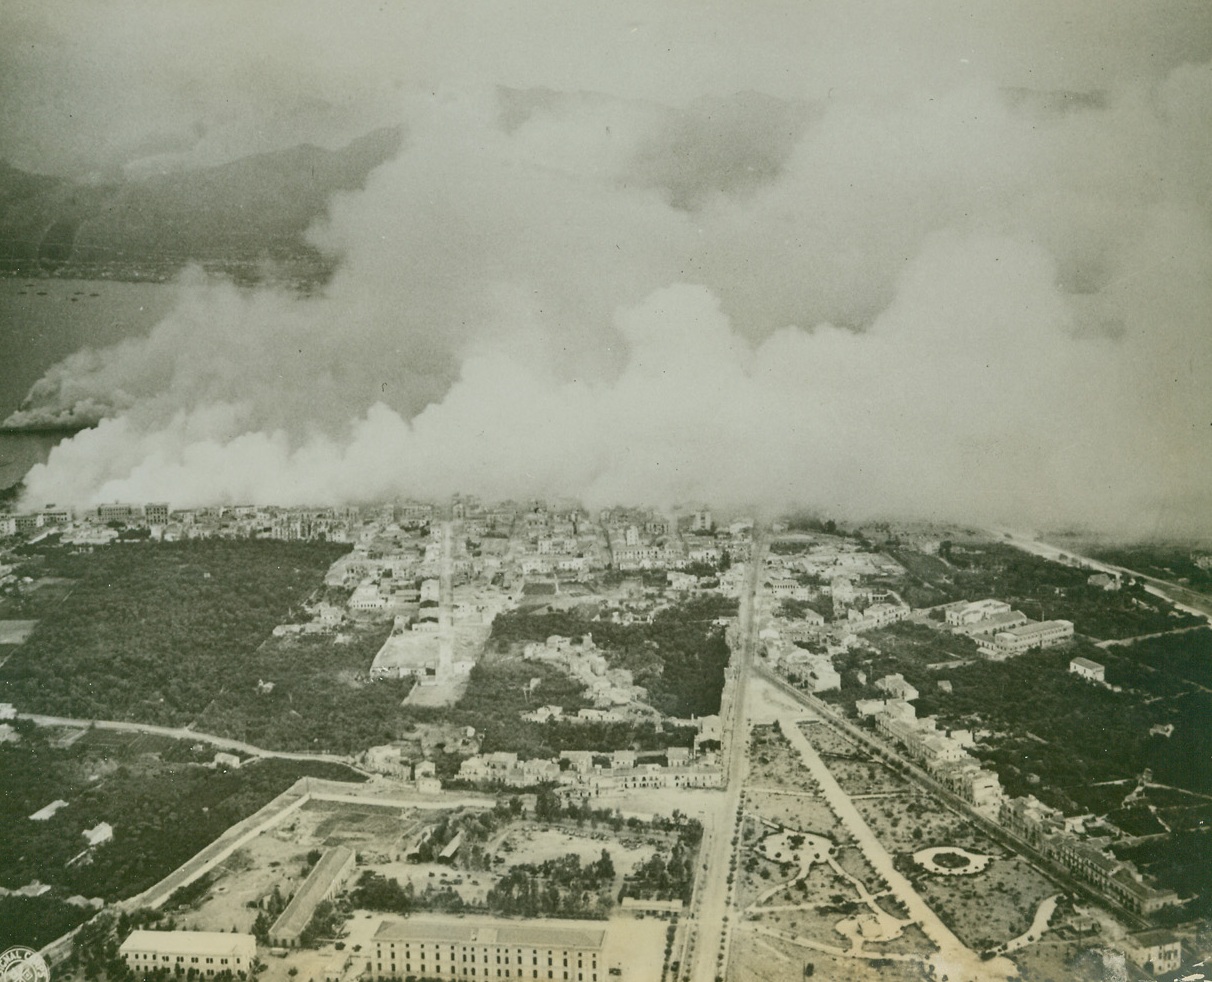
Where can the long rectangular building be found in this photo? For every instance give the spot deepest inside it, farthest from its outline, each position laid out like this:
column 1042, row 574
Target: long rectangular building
column 324, row 880
column 206, row 952
column 1043, row 634
column 489, row 948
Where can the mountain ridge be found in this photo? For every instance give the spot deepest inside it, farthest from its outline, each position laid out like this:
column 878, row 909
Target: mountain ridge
column 241, row 214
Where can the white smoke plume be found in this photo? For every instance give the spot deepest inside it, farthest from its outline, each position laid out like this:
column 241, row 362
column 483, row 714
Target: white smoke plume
column 958, row 303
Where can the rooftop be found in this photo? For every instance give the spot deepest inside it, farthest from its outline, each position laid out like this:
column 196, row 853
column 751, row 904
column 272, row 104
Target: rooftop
column 298, row 912
column 191, row 943
column 1036, row 628
column 488, row 931
column 1156, row 936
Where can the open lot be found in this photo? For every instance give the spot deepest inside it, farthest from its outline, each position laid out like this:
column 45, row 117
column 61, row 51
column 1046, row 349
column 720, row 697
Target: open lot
column 531, row 844
column 15, row 632
column 380, row 837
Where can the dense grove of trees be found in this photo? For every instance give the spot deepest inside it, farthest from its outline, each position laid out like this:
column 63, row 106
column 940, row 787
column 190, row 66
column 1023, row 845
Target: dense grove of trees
column 905, row 648
column 322, row 699
column 1184, row 656
column 161, row 814
column 155, row 632
column 1173, row 562
column 498, row 694
column 1180, row 861
column 1069, row 732
column 374, row 891
column 795, row 609
column 1041, row 588
column 180, row 632
column 665, row 877
column 1054, row 734
column 36, row 921
column 926, row 582
column 325, row 923
column 679, row 658
column 561, row 887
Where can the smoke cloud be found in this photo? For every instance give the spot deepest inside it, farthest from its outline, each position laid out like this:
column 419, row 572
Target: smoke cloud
column 960, row 302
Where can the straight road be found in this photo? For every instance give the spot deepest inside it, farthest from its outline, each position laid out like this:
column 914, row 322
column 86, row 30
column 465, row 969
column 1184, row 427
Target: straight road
column 1192, row 601
column 882, row 751
column 180, row 733
column 1119, row 642
column 446, row 604
column 709, row 958
column 954, row 960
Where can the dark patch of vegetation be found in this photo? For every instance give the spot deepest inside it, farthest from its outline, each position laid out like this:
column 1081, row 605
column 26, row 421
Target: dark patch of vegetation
column 324, row 924
column 1051, row 724
column 178, row 633
column 322, row 699
column 1181, row 862
column 905, row 648
column 36, row 921
column 950, row 860
column 679, row 658
column 666, row 876
column 1175, row 562
column 795, row 610
column 154, row 631
column 191, row 893
column 374, row 891
column 1040, row 588
column 1185, row 656
column 556, row 888
column 161, row 814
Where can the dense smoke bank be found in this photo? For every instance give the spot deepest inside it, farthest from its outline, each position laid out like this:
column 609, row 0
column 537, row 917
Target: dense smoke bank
column 963, row 303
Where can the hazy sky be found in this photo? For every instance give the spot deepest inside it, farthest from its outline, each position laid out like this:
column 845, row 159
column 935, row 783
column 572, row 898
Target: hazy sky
column 91, row 85
column 951, row 260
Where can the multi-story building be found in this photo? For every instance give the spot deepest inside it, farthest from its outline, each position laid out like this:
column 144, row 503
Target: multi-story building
column 978, row 610
column 876, row 616
column 115, row 513
column 1088, row 669
column 205, row 952
column 973, row 783
column 896, row 686
column 1044, row 634
column 990, row 626
column 156, row 513
column 1030, row 819
column 484, row 948
column 1157, row 951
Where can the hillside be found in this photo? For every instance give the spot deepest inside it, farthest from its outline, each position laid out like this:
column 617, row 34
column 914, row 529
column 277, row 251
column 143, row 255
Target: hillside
column 243, row 212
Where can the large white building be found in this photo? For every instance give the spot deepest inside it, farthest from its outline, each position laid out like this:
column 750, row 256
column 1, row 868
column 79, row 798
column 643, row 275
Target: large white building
column 1159, row 951
column 1043, row 634
column 1088, row 669
column 206, row 952
column 976, row 611
column 487, row 948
